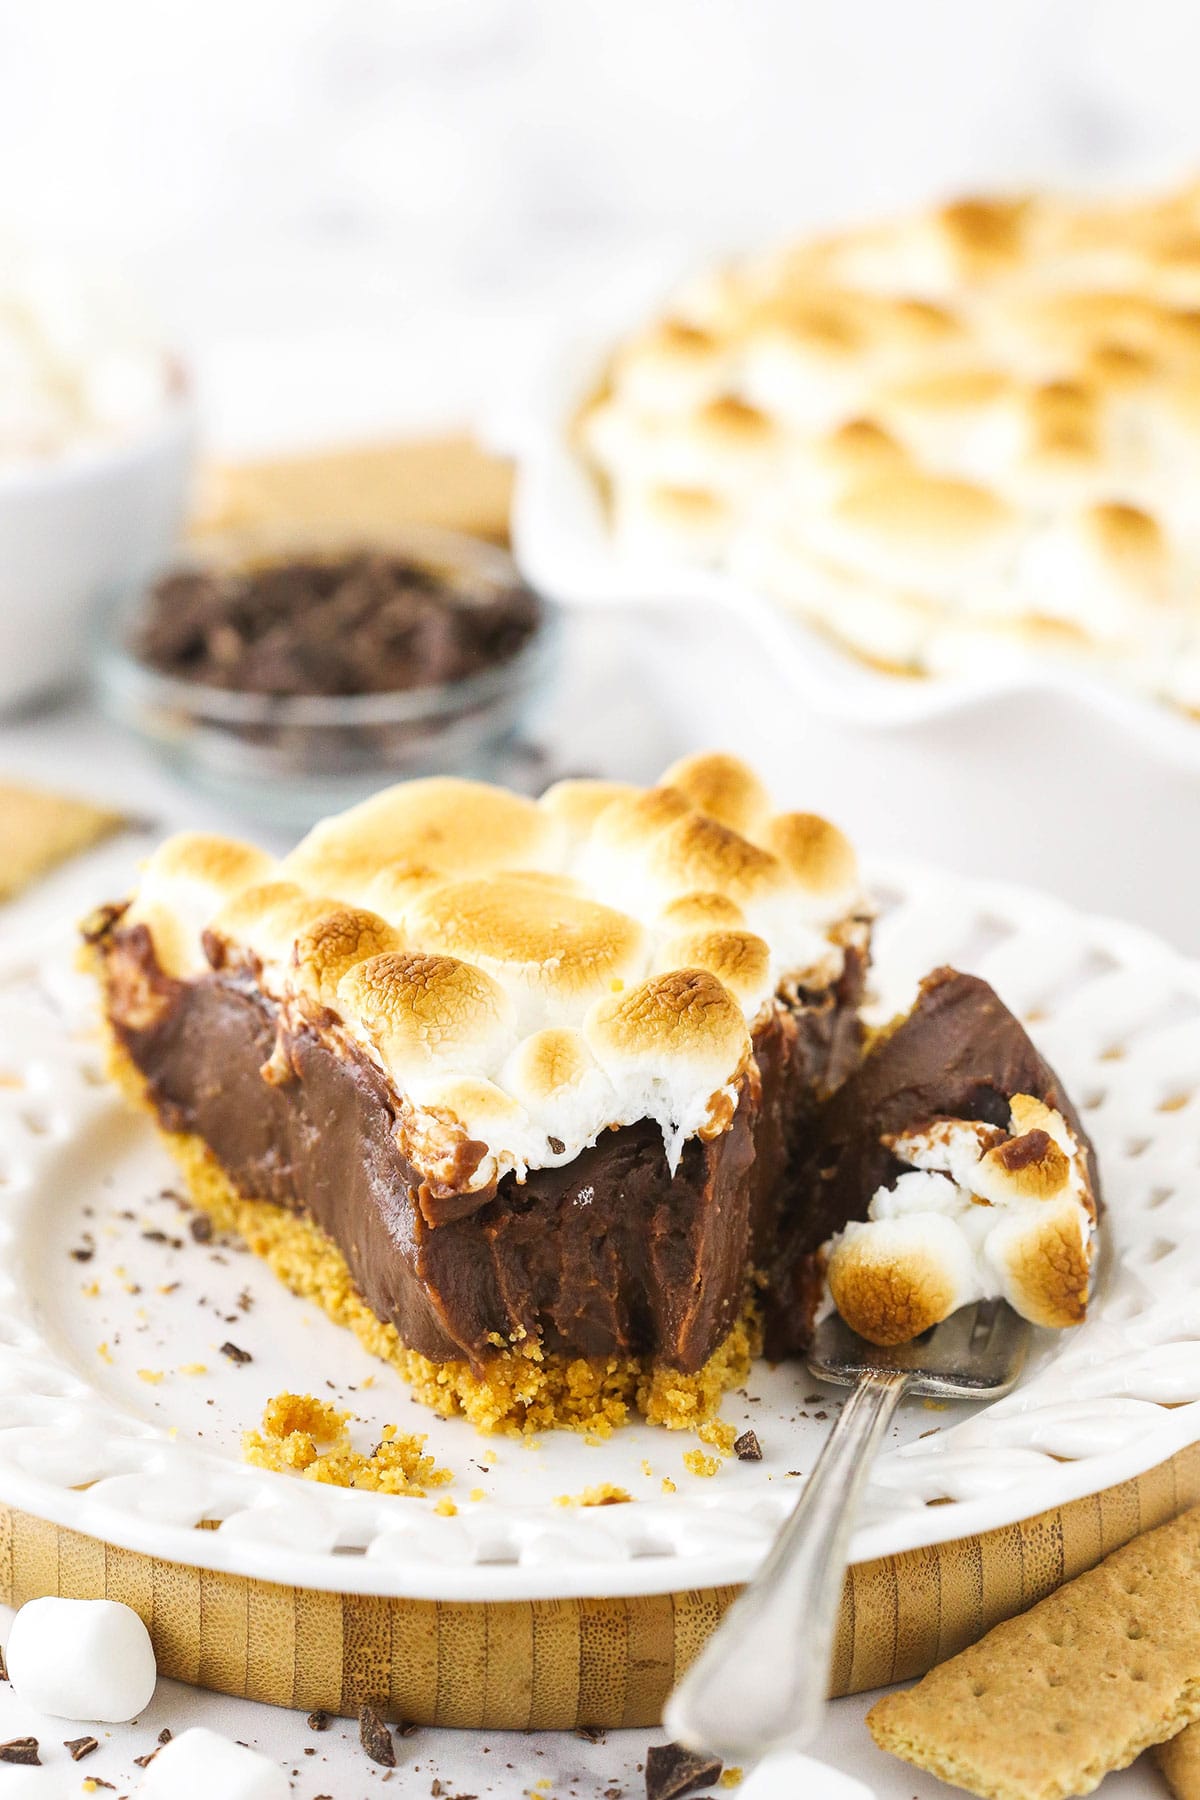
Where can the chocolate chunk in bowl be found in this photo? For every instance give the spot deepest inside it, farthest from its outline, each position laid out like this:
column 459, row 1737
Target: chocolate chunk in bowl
column 288, row 676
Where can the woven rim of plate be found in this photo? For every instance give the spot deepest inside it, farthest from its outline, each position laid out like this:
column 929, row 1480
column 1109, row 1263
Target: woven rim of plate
column 1113, row 1007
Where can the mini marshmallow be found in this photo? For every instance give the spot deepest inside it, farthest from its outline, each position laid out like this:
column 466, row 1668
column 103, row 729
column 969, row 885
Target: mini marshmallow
column 978, row 1213
column 81, row 1659
column 202, row 1765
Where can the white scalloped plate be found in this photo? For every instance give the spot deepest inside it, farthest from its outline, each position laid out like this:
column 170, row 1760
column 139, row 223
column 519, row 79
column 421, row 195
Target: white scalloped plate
column 88, row 1443
column 562, row 542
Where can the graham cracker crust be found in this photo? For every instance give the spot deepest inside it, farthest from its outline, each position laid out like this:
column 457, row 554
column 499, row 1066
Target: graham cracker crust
column 525, row 1389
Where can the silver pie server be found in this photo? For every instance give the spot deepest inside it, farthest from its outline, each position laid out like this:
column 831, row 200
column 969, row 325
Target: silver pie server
column 761, row 1681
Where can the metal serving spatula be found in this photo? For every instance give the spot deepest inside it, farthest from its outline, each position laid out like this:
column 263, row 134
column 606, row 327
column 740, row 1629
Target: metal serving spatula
column 761, row 1680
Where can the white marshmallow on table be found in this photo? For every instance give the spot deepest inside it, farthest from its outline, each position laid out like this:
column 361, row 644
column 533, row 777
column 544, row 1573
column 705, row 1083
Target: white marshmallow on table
column 81, row 1659
column 790, row 1776
column 202, row 1765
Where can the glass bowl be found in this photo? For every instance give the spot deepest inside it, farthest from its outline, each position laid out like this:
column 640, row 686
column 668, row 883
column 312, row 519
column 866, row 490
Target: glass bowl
column 291, row 759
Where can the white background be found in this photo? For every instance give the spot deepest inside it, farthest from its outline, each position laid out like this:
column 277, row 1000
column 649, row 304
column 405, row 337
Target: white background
column 370, row 216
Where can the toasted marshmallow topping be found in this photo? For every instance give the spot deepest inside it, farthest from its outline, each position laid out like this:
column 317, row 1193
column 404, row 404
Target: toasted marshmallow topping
column 981, row 1213
column 527, row 974
column 951, row 441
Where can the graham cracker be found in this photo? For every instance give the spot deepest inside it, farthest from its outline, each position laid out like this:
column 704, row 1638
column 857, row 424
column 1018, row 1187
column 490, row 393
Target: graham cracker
column 39, row 829
column 1179, row 1763
column 1048, row 1703
column 448, row 482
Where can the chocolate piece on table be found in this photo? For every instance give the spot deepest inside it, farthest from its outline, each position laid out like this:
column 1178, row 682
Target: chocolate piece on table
column 21, row 1750
column 672, row 1771
column 374, row 1735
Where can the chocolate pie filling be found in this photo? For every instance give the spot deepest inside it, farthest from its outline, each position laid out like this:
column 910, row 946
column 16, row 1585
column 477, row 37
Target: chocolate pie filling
column 608, row 1255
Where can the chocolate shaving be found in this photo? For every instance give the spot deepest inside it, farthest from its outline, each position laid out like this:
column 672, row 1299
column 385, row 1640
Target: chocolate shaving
column 201, row 1228
column 80, row 1747
column 21, row 1750
column 672, row 1771
column 591, row 1734
column 747, row 1448
column 84, row 1253
column 319, row 1720
column 374, row 1735
column 235, row 1355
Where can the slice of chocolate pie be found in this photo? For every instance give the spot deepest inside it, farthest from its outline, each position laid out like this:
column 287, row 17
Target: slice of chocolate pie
column 514, row 1088
column 950, row 1166
column 553, row 1102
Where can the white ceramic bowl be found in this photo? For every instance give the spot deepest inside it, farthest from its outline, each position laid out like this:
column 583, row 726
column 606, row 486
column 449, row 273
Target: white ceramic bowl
column 76, row 530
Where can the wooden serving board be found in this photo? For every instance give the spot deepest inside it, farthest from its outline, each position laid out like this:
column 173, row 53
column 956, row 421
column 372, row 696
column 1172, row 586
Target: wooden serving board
column 557, row 1664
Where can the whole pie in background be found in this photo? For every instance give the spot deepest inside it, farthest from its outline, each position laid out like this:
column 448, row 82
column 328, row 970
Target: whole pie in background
column 956, row 440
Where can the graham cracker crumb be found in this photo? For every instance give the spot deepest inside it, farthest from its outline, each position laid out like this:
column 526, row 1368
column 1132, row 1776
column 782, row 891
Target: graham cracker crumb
column 668, row 1486
column 296, row 1426
column 605, row 1494
column 730, row 1778
column 719, row 1433
column 151, row 1377
column 699, row 1464
column 446, row 1507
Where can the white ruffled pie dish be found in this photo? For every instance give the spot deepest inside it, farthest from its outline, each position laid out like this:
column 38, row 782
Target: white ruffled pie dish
column 142, row 1459
column 564, row 545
